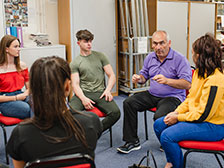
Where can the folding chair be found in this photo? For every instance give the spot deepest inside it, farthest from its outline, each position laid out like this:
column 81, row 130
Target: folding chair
column 64, row 161
column 100, row 114
column 4, row 122
column 216, row 148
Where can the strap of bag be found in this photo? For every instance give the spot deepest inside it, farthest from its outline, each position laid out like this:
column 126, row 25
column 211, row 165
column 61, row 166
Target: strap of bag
column 147, row 157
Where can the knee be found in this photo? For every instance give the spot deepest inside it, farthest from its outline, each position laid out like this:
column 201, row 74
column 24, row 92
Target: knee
column 128, row 102
column 26, row 112
column 116, row 114
column 157, row 115
column 157, row 125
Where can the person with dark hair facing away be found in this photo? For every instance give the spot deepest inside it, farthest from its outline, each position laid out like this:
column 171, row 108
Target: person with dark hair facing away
column 13, row 76
column 170, row 74
column 201, row 116
column 55, row 129
column 88, row 80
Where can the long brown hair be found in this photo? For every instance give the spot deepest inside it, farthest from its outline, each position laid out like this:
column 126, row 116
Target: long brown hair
column 5, row 43
column 47, row 79
column 210, row 55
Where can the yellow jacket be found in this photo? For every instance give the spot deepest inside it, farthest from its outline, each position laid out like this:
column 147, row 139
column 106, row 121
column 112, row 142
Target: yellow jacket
column 205, row 102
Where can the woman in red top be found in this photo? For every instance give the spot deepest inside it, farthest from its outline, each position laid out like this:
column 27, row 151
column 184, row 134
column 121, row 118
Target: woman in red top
column 13, row 76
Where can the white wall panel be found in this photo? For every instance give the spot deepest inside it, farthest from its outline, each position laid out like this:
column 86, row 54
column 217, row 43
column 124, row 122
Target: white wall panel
column 202, row 21
column 98, row 17
column 172, row 17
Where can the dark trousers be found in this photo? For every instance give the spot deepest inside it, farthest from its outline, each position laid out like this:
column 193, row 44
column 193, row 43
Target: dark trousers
column 140, row 102
column 109, row 108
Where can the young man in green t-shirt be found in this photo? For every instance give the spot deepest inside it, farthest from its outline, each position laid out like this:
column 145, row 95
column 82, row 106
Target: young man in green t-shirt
column 88, row 80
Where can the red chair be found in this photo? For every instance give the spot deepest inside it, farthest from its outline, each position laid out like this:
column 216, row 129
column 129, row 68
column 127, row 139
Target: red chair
column 65, row 161
column 100, row 114
column 4, row 122
column 154, row 110
column 216, row 148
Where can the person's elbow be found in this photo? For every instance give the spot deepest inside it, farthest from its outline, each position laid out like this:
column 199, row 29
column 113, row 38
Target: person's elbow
column 188, row 85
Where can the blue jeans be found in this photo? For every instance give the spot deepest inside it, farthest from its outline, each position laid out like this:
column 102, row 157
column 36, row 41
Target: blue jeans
column 18, row 109
column 169, row 136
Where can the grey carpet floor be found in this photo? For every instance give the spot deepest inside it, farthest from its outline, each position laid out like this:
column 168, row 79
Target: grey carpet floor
column 107, row 157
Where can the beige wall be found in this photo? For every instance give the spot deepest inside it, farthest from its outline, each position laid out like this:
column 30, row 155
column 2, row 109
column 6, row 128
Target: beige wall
column 52, row 20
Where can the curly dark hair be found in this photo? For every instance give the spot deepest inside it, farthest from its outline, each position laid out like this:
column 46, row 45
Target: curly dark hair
column 209, row 55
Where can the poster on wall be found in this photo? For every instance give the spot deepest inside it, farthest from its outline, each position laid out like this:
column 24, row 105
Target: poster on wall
column 16, row 13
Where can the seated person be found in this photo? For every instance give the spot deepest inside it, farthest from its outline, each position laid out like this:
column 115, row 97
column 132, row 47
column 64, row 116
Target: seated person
column 201, row 116
column 13, row 76
column 88, row 81
column 55, row 129
column 170, row 74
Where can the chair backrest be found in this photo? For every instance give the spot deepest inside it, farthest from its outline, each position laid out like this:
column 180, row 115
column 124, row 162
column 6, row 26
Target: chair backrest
column 65, row 161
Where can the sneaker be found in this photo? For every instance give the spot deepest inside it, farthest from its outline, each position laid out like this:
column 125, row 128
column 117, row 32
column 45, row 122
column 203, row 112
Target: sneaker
column 128, row 147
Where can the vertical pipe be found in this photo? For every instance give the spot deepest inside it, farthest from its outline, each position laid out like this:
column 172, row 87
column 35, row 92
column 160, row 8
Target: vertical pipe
column 122, row 17
column 141, row 18
column 138, row 19
column 127, row 17
column 130, row 62
column 146, row 18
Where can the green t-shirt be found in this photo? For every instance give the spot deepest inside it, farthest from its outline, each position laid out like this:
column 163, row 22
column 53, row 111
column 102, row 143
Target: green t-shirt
column 90, row 69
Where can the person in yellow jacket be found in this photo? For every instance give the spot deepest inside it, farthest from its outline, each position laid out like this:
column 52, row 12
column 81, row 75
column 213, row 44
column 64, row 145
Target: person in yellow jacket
column 201, row 116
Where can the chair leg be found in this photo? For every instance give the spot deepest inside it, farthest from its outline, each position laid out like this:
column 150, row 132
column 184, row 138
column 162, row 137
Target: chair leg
column 146, row 125
column 5, row 141
column 216, row 156
column 185, row 157
column 111, row 140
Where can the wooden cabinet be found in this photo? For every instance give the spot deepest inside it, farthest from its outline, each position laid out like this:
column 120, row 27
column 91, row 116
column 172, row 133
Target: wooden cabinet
column 30, row 54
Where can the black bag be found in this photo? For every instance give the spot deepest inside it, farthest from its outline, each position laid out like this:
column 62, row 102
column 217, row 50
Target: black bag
column 147, row 163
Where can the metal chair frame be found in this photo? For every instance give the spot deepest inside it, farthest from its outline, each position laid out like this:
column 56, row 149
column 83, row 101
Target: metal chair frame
column 62, row 161
column 215, row 152
column 17, row 121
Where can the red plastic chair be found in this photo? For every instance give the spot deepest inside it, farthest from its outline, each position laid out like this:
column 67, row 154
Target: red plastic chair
column 216, row 148
column 4, row 122
column 154, row 110
column 100, row 114
column 65, row 161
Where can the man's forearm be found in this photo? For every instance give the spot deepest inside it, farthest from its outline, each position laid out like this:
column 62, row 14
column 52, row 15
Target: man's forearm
column 111, row 82
column 78, row 92
column 178, row 83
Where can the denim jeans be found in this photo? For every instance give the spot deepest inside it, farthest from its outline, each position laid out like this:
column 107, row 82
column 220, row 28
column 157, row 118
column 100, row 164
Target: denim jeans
column 169, row 136
column 18, row 109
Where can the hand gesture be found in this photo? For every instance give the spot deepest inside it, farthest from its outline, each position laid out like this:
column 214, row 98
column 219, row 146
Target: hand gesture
column 136, row 78
column 88, row 103
column 108, row 96
column 160, row 79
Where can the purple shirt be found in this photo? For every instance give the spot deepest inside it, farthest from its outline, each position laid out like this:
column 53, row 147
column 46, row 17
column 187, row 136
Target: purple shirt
column 175, row 66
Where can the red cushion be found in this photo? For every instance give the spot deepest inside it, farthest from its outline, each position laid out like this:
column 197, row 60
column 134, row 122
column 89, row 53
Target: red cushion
column 215, row 145
column 97, row 112
column 87, row 165
column 9, row 120
column 153, row 109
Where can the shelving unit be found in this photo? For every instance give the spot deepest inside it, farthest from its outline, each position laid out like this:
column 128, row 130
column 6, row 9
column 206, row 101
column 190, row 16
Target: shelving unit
column 134, row 42
column 220, row 21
